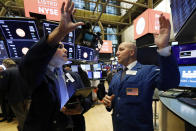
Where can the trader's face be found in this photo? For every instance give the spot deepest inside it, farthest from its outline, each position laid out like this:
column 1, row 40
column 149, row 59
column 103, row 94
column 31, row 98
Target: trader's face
column 60, row 55
column 124, row 54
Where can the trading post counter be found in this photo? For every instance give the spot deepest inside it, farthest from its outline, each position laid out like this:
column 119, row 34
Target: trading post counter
column 176, row 116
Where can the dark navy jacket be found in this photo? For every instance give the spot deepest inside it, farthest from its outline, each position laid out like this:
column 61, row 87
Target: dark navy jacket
column 134, row 112
column 44, row 113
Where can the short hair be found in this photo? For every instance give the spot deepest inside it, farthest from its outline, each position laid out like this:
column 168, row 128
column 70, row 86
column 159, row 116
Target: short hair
column 8, row 63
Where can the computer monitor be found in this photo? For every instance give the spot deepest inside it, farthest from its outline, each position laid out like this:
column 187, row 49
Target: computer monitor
column 185, row 53
column 96, row 67
column 49, row 26
column 84, row 53
column 74, row 68
column 3, row 52
column 187, row 76
column 19, row 48
column 70, row 50
column 86, row 67
column 90, row 74
column 19, row 29
column 97, row 74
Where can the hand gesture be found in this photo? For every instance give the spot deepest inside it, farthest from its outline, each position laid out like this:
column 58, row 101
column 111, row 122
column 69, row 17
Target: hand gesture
column 66, row 25
column 162, row 39
column 107, row 100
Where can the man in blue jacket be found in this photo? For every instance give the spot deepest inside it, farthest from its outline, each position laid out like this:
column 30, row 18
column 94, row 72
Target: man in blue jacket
column 131, row 90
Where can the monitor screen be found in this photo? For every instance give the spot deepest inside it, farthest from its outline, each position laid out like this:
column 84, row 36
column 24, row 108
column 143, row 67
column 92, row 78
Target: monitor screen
column 85, row 67
column 49, row 26
column 19, row 29
column 185, row 54
column 70, row 50
column 90, row 74
column 97, row 74
column 187, row 76
column 181, row 11
column 96, row 67
column 19, row 48
column 74, row 68
column 3, row 52
column 84, row 53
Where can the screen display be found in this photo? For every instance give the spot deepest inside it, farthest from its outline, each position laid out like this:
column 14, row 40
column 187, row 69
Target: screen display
column 3, row 52
column 70, row 50
column 48, row 27
column 19, row 29
column 90, row 74
column 185, row 54
column 181, row 11
column 187, row 76
column 19, row 48
column 74, row 68
column 84, row 53
column 97, row 74
column 97, row 67
column 85, row 67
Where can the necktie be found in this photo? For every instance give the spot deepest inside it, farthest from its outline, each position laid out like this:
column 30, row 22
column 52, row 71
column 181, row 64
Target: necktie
column 123, row 73
column 64, row 96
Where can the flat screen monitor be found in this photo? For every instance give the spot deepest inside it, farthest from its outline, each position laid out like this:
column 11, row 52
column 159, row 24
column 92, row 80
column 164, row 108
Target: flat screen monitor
column 185, row 54
column 187, row 76
column 181, row 11
column 19, row 29
column 49, row 26
column 86, row 67
column 90, row 74
column 97, row 74
column 70, row 50
column 96, row 67
column 19, row 48
column 74, row 68
column 84, row 53
column 3, row 52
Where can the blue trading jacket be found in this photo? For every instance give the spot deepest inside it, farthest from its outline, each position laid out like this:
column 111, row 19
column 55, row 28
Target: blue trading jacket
column 134, row 112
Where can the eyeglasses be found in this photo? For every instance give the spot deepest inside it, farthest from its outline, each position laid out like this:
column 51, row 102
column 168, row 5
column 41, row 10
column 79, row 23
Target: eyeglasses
column 61, row 46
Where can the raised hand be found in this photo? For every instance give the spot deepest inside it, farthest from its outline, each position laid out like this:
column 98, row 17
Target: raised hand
column 66, row 25
column 162, row 39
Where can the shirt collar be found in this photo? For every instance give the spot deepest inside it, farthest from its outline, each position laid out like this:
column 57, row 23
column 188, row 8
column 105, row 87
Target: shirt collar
column 131, row 65
column 51, row 68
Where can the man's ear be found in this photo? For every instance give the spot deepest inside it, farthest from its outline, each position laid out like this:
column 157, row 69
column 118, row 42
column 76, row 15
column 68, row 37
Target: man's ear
column 132, row 53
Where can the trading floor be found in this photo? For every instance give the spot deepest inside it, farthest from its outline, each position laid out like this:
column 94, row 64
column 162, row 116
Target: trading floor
column 97, row 119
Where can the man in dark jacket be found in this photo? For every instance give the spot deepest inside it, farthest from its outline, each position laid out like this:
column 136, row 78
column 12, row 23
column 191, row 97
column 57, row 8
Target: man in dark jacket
column 131, row 90
column 47, row 112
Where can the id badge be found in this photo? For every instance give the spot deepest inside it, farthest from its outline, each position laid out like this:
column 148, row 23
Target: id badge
column 69, row 77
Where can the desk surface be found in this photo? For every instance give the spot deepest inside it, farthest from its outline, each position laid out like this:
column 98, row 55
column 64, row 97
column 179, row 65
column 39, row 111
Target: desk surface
column 184, row 111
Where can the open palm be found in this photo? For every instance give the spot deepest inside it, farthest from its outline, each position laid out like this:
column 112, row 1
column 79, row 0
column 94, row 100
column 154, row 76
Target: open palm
column 67, row 10
column 162, row 39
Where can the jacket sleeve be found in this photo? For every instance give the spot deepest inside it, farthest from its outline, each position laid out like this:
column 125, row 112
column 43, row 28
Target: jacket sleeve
column 168, row 76
column 34, row 64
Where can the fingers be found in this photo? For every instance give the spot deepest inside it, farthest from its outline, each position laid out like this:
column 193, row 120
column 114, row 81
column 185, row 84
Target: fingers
column 71, row 8
column 107, row 100
column 164, row 23
column 62, row 8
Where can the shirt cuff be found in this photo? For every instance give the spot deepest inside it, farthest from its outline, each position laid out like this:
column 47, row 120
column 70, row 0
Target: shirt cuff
column 165, row 51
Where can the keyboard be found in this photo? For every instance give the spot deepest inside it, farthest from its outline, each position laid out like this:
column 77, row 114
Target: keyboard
column 170, row 94
column 188, row 101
